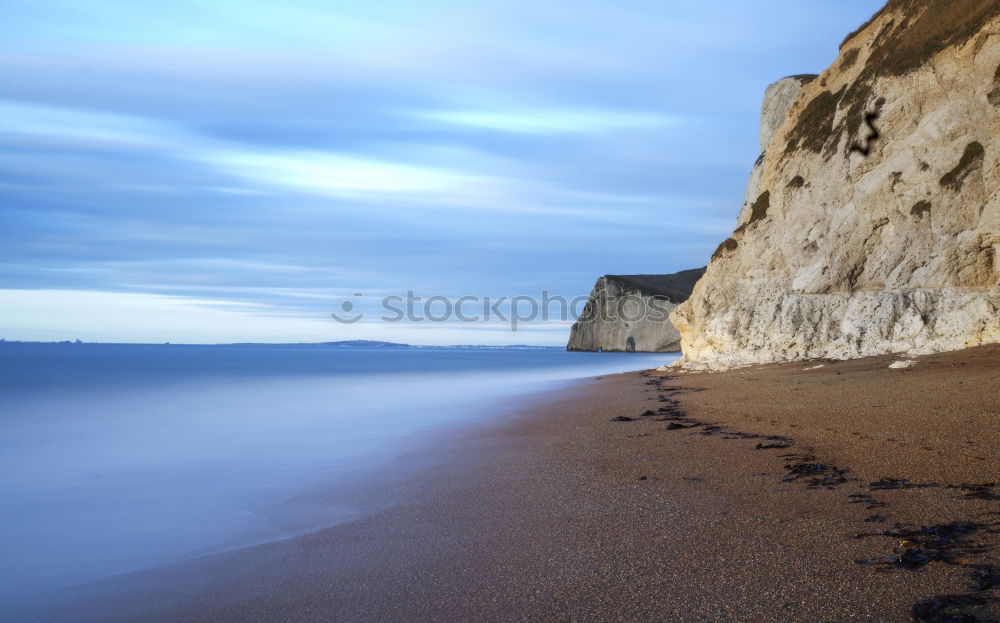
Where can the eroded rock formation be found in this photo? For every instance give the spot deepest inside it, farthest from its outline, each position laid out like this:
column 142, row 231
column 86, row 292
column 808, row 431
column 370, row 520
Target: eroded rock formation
column 872, row 223
column 629, row 313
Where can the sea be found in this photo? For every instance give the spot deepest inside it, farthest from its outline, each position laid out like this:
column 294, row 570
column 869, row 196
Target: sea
column 120, row 457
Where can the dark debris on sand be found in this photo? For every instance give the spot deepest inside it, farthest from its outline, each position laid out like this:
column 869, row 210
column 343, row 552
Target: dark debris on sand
column 899, row 483
column 775, row 442
column 947, row 609
column 978, row 492
column 986, row 578
column 948, row 543
column 870, row 502
column 815, row 474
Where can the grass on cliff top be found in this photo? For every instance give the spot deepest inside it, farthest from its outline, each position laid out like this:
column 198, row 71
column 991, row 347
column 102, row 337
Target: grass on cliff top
column 918, row 30
column 930, row 26
column 925, row 28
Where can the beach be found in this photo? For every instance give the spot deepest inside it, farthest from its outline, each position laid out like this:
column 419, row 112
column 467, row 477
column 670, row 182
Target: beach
column 121, row 458
column 436, row 312
column 790, row 492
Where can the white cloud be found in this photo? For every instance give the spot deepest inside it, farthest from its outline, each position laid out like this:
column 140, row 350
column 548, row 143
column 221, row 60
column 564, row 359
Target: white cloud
column 550, row 121
column 336, row 174
column 67, row 124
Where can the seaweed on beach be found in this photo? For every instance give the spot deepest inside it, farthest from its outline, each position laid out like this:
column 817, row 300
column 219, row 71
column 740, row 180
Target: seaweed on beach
column 658, row 383
column 775, row 442
column 899, row 483
column 946, row 609
column 679, row 426
column 674, row 415
column 913, row 557
column 738, row 435
column 947, row 542
column 677, row 419
column 985, row 491
column 864, row 498
column 622, row 418
column 672, row 407
column 985, row 578
column 815, row 474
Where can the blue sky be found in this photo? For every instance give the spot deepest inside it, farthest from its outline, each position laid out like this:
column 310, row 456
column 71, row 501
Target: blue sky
column 220, row 171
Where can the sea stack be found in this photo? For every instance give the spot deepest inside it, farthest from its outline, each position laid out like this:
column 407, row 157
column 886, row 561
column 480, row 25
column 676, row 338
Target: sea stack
column 629, row 313
column 872, row 223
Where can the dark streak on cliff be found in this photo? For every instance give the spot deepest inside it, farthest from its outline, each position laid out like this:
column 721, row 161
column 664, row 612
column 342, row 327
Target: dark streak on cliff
column 972, row 158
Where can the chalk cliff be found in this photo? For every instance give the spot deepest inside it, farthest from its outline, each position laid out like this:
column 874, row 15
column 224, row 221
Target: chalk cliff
column 778, row 100
column 630, row 313
column 872, row 223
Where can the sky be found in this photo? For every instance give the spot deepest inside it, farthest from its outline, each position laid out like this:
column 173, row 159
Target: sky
column 237, row 170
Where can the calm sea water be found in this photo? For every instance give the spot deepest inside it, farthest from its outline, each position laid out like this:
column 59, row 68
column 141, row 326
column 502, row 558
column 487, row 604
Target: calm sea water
column 115, row 458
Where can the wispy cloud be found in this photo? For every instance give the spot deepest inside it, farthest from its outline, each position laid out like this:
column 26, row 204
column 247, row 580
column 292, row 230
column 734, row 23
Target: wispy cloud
column 283, row 154
column 337, row 174
column 69, row 125
column 552, row 121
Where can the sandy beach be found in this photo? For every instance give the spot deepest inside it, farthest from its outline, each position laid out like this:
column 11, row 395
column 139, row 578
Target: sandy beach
column 500, row 312
column 791, row 492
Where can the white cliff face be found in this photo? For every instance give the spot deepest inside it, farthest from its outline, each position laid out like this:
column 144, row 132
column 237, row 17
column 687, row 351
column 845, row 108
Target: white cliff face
column 778, row 99
column 630, row 313
column 873, row 223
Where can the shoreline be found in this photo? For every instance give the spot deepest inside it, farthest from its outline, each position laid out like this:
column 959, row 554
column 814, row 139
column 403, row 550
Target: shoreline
column 560, row 513
column 145, row 459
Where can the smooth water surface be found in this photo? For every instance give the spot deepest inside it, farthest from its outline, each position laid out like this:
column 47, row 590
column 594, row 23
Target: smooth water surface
column 120, row 457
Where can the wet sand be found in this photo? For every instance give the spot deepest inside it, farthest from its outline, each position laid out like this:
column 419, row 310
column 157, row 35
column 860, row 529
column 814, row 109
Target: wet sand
column 582, row 508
